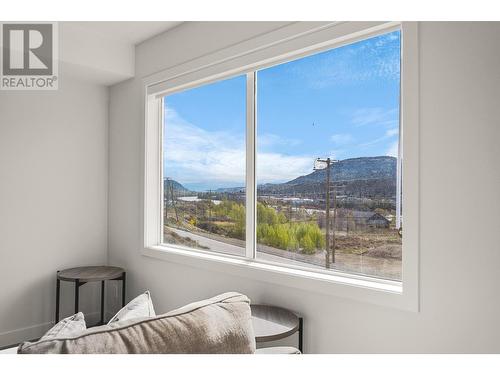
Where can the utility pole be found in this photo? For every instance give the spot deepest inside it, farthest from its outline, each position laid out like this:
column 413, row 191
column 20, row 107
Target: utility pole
column 318, row 165
column 334, row 222
column 327, row 220
column 165, row 199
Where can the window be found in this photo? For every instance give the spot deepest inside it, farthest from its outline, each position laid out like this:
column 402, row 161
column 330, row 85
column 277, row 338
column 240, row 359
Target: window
column 237, row 148
column 328, row 139
column 204, row 167
column 326, row 161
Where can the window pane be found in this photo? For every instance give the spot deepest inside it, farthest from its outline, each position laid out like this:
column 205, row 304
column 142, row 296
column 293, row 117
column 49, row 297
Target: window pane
column 341, row 104
column 204, row 167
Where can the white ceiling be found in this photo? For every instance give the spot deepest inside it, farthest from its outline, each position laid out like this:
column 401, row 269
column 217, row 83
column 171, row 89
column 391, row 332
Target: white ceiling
column 129, row 32
column 104, row 52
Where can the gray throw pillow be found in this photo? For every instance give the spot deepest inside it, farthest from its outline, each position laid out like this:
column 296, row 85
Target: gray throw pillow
column 68, row 327
column 140, row 307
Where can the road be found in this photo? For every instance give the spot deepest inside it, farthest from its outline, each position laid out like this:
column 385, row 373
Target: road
column 226, row 248
column 379, row 267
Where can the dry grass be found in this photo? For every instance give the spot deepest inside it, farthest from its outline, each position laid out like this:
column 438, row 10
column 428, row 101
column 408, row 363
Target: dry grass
column 382, row 244
column 174, row 238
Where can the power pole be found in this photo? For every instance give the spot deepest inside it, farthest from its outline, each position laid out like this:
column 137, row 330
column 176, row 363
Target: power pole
column 165, row 198
column 326, row 164
column 334, row 222
column 327, row 219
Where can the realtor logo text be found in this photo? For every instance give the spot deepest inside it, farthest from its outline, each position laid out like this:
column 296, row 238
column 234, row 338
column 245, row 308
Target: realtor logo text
column 29, row 58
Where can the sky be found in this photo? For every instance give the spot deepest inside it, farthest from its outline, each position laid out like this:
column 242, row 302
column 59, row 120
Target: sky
column 342, row 103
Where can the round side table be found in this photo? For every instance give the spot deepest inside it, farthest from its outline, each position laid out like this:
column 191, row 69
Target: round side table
column 83, row 275
column 272, row 323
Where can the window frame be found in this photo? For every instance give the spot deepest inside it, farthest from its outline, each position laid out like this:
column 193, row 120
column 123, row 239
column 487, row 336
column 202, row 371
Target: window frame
column 402, row 294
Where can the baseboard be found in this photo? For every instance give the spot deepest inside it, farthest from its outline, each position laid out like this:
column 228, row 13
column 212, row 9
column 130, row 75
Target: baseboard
column 16, row 336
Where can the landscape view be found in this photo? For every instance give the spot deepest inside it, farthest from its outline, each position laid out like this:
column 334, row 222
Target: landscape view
column 340, row 106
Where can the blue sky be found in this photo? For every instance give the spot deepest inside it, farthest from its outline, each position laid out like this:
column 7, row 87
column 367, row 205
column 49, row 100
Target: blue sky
column 341, row 103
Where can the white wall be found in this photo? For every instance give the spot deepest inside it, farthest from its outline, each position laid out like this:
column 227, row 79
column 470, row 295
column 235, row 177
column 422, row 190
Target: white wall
column 53, row 200
column 460, row 202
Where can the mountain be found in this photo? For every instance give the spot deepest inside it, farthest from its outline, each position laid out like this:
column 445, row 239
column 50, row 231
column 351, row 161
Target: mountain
column 372, row 178
column 377, row 167
column 365, row 177
column 176, row 186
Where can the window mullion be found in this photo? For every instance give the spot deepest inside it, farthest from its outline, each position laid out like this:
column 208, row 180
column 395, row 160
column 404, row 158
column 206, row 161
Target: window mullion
column 251, row 188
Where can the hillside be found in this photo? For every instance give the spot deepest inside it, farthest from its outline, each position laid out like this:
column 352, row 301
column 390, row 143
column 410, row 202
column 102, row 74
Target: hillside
column 356, row 178
column 378, row 167
column 176, row 186
column 366, row 177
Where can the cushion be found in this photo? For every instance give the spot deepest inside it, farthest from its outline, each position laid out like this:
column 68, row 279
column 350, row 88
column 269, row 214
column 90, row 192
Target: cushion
column 67, row 327
column 140, row 307
column 220, row 325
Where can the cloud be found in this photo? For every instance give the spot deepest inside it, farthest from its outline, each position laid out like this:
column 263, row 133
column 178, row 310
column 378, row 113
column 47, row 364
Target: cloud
column 388, row 134
column 393, row 149
column 265, row 140
column 196, row 155
column 375, row 115
column 341, row 139
column 275, row 167
column 370, row 59
column 392, row 132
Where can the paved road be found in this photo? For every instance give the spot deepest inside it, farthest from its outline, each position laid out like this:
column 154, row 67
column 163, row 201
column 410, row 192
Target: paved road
column 222, row 247
column 379, row 267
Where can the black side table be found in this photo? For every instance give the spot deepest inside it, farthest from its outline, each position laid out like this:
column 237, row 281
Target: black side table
column 83, row 275
column 272, row 323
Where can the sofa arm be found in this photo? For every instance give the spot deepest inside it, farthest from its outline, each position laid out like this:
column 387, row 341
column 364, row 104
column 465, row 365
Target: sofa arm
column 278, row 350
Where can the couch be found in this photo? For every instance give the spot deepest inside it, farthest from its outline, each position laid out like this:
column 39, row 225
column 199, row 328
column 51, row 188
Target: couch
column 219, row 325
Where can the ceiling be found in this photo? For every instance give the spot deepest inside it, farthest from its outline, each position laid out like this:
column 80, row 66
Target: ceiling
column 104, row 52
column 129, row 32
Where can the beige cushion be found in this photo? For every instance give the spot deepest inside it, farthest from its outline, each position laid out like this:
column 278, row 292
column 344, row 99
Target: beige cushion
column 70, row 326
column 140, row 307
column 221, row 324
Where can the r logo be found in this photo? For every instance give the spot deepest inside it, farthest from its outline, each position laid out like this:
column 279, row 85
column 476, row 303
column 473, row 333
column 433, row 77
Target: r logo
column 27, row 49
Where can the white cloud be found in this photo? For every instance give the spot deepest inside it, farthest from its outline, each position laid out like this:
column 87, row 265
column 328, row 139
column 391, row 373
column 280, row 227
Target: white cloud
column 374, row 116
column 341, row 139
column 388, row 134
column 393, row 149
column 265, row 140
column 392, row 132
column 371, row 59
column 195, row 155
column 274, row 167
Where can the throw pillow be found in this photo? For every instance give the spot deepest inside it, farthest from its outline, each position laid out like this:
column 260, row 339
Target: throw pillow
column 67, row 327
column 140, row 307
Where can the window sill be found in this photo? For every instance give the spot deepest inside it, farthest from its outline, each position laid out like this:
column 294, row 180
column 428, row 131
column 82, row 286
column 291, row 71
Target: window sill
column 353, row 287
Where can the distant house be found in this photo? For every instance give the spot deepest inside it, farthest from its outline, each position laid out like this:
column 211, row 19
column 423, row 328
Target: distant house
column 377, row 221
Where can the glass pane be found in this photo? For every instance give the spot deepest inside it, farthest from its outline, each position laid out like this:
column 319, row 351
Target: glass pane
column 204, row 167
column 341, row 107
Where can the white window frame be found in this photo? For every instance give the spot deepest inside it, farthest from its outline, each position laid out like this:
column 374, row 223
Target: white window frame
column 288, row 43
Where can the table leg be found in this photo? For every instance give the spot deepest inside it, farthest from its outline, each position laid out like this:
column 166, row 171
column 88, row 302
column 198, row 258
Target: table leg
column 301, row 329
column 58, row 292
column 102, row 302
column 123, row 290
column 77, row 294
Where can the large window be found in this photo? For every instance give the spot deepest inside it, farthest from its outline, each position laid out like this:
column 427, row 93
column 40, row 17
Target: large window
column 326, row 154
